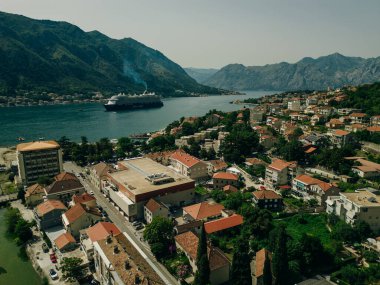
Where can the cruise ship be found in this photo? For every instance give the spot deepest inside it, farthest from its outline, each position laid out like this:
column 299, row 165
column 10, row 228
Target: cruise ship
column 130, row 102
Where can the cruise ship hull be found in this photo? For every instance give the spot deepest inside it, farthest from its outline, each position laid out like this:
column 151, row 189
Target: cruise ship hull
column 120, row 107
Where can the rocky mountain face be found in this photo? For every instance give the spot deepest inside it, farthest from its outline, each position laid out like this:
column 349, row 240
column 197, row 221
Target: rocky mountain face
column 42, row 55
column 334, row 70
column 200, row 74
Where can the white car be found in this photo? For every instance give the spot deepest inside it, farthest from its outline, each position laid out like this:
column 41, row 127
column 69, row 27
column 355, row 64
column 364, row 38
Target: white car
column 92, row 193
column 53, row 274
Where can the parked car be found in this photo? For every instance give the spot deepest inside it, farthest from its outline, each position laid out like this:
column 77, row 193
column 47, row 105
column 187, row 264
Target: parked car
column 53, row 258
column 92, row 193
column 53, row 274
column 139, row 227
column 136, row 223
column 45, row 248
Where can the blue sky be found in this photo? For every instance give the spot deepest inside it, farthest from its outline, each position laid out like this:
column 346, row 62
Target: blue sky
column 213, row 33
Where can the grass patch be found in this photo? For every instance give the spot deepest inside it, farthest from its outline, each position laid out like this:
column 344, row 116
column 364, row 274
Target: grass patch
column 6, row 186
column 314, row 225
column 201, row 190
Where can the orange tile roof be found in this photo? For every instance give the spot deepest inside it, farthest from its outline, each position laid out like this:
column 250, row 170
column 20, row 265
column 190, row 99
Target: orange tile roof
column 266, row 194
column 152, row 205
column 358, row 115
column 49, row 206
column 306, row 179
column 218, row 164
column 336, row 122
column 204, row 210
column 34, row 189
column 65, row 176
column 185, row 158
column 374, row 129
column 101, row 169
column 64, row 240
column 261, row 256
column 85, row 197
column 230, row 189
column 75, row 212
column 341, row 133
column 38, row 145
column 325, row 186
column 102, row 230
column 225, row 175
column 279, row 164
column 189, row 243
column 310, row 149
column 223, row 223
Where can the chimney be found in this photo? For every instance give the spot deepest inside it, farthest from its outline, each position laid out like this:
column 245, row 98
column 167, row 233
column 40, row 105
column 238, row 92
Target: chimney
column 109, row 239
column 116, row 249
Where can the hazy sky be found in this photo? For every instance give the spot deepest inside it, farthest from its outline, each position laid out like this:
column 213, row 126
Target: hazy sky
column 213, row 33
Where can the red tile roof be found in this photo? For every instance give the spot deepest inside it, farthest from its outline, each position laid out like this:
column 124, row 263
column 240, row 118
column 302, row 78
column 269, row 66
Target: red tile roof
column 230, row 189
column 65, row 176
column 85, row 197
column 341, row 133
column 374, row 129
column 225, row 175
column 153, row 205
column 223, row 223
column 189, row 243
column 102, row 230
column 266, row 194
column 185, row 158
column 280, row 164
column 49, row 206
column 64, row 240
column 306, row 179
column 358, row 115
column 34, row 189
column 75, row 213
column 261, row 256
column 203, row 210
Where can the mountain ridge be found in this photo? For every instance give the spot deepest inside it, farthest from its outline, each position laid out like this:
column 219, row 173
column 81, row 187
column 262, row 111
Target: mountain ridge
column 334, row 70
column 56, row 56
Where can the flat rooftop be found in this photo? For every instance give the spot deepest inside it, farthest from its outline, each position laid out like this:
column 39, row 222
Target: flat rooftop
column 143, row 175
column 127, row 261
column 363, row 198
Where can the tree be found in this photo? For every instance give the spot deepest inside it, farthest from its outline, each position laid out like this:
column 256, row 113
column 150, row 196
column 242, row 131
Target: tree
column 71, row 269
column 23, row 231
column 267, row 271
column 291, row 151
column 363, row 230
column 159, row 234
column 280, row 264
column 240, row 269
column 44, row 181
column 125, row 144
column 202, row 276
column 12, row 216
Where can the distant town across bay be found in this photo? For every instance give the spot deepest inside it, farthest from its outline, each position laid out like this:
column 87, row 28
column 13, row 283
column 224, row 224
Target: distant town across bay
column 91, row 120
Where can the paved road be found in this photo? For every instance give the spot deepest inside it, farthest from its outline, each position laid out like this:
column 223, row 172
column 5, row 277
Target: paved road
column 120, row 221
column 248, row 181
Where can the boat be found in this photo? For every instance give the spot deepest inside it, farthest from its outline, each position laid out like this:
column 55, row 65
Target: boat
column 136, row 101
column 20, row 139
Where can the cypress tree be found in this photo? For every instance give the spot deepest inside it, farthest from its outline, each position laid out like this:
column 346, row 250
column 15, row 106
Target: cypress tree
column 280, row 266
column 267, row 274
column 202, row 276
column 241, row 269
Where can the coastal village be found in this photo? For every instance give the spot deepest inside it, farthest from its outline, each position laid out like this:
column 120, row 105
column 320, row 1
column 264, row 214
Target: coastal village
column 284, row 189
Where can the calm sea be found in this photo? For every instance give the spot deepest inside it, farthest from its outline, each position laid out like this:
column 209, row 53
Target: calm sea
column 91, row 120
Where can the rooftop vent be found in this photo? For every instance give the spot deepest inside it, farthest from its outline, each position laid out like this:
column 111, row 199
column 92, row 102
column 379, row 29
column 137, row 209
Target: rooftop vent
column 116, row 249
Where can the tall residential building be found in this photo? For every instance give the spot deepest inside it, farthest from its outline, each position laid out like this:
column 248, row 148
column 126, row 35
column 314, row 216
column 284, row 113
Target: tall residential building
column 280, row 172
column 363, row 205
column 38, row 159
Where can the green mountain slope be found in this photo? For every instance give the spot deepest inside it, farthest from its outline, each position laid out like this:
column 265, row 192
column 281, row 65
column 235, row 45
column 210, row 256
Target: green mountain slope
column 334, row 70
column 53, row 56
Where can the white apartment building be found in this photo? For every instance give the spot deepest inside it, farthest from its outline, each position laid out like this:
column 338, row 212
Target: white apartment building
column 363, row 205
column 280, row 172
column 189, row 166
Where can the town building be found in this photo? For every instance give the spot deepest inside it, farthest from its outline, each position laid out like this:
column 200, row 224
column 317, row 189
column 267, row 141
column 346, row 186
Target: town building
column 65, row 242
column 80, row 217
column 64, row 186
column 268, row 199
column 202, row 211
column 294, row 105
column 219, row 264
column 224, row 223
column 335, row 124
column 155, row 209
column 140, row 179
column 38, row 159
column 308, row 187
column 280, row 172
column 85, row 199
column 358, row 118
column 340, row 138
column 189, row 166
column 257, row 266
column 216, row 166
column 221, row 179
column 118, row 262
column 99, row 231
column 98, row 173
column 34, row 195
column 48, row 214
column 362, row 205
